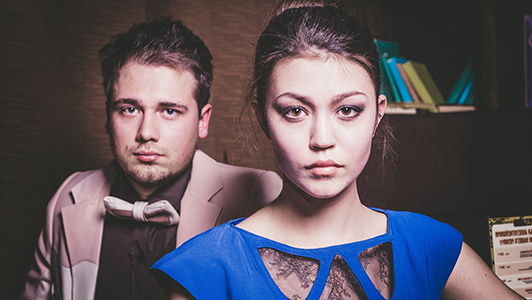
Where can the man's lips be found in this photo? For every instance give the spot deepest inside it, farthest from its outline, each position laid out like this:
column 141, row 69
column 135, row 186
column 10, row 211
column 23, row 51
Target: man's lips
column 147, row 156
column 323, row 167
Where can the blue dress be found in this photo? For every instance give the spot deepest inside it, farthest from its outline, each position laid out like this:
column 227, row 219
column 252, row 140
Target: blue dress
column 412, row 260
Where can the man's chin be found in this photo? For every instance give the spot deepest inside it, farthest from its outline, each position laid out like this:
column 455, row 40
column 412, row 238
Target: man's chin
column 149, row 177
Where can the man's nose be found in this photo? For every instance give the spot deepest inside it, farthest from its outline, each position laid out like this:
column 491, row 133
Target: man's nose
column 148, row 129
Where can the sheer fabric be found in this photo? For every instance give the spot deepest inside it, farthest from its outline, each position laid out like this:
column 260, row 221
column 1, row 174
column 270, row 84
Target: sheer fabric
column 296, row 275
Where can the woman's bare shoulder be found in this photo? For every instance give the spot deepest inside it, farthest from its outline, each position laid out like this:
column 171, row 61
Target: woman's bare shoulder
column 471, row 278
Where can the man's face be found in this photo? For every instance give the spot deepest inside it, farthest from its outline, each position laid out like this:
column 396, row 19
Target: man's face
column 154, row 123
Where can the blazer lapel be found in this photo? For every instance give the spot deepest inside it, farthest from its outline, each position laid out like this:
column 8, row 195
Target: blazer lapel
column 83, row 221
column 197, row 213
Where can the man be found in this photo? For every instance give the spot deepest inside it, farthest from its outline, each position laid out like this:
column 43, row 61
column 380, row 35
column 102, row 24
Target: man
column 105, row 228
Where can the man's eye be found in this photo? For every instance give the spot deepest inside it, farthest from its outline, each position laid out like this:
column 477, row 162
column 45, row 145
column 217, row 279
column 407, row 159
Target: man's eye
column 171, row 111
column 129, row 110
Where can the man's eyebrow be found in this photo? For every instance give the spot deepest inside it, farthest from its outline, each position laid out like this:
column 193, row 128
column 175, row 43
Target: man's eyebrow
column 167, row 104
column 175, row 105
column 124, row 101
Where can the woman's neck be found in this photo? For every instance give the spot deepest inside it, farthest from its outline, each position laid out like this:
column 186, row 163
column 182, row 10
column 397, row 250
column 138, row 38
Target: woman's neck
column 302, row 221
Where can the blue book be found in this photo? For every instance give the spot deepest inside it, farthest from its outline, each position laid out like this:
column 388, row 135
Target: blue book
column 471, row 97
column 461, row 83
column 388, row 88
column 398, row 79
column 467, row 90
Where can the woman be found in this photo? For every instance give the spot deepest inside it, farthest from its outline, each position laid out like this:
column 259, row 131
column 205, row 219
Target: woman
column 316, row 89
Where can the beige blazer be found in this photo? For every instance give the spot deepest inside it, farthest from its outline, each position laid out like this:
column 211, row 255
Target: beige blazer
column 68, row 251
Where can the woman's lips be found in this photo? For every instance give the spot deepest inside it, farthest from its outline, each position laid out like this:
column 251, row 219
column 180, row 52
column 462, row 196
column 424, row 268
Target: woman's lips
column 323, row 167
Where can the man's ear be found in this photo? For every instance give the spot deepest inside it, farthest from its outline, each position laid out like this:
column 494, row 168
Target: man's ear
column 259, row 114
column 106, row 126
column 203, row 122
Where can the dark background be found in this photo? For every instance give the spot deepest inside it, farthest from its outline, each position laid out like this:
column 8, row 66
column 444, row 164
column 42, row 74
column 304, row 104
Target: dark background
column 458, row 168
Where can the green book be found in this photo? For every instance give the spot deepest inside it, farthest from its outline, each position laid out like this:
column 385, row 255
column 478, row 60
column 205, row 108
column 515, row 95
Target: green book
column 386, row 50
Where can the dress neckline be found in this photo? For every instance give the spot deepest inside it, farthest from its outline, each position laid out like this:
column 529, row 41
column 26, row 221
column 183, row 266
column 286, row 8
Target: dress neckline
column 325, row 255
column 359, row 245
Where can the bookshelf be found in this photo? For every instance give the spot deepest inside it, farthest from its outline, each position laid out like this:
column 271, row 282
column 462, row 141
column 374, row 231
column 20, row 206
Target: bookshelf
column 460, row 168
column 446, row 34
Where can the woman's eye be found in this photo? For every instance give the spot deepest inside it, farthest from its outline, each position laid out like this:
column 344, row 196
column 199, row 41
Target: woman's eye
column 348, row 111
column 294, row 112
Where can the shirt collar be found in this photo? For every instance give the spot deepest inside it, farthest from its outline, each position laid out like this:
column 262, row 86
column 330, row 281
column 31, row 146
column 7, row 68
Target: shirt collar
column 172, row 191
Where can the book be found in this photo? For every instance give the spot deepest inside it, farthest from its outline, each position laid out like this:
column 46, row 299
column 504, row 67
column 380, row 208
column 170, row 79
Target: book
column 408, row 84
column 389, row 83
column 468, row 89
column 471, row 97
column 393, row 109
column 417, row 105
column 461, row 83
column 423, row 83
column 387, row 49
column 450, row 108
column 399, row 82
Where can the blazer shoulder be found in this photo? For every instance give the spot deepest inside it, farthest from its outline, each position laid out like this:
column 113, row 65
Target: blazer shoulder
column 257, row 176
column 210, row 170
column 255, row 186
column 63, row 195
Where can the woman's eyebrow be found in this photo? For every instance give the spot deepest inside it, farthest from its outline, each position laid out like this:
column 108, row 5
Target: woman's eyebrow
column 342, row 96
column 304, row 99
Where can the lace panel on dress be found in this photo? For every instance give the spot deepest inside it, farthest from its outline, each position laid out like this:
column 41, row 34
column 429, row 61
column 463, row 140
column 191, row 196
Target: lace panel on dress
column 342, row 283
column 378, row 264
column 294, row 275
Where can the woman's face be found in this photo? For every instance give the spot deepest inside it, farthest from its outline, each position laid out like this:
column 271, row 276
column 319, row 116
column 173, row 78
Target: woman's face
column 320, row 116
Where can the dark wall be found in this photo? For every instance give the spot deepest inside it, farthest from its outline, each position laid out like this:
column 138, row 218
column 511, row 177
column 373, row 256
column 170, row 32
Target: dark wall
column 458, row 168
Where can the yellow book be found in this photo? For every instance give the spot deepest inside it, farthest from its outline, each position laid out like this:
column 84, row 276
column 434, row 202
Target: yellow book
column 423, row 83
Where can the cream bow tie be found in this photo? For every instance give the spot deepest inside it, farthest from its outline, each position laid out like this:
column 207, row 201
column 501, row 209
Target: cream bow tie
column 161, row 212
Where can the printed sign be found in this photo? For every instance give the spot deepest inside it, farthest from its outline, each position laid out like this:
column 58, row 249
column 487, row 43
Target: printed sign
column 511, row 252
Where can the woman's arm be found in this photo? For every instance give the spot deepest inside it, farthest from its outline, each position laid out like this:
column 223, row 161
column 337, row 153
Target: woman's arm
column 473, row 279
column 178, row 292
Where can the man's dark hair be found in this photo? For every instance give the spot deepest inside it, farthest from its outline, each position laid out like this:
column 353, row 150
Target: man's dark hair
column 163, row 42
